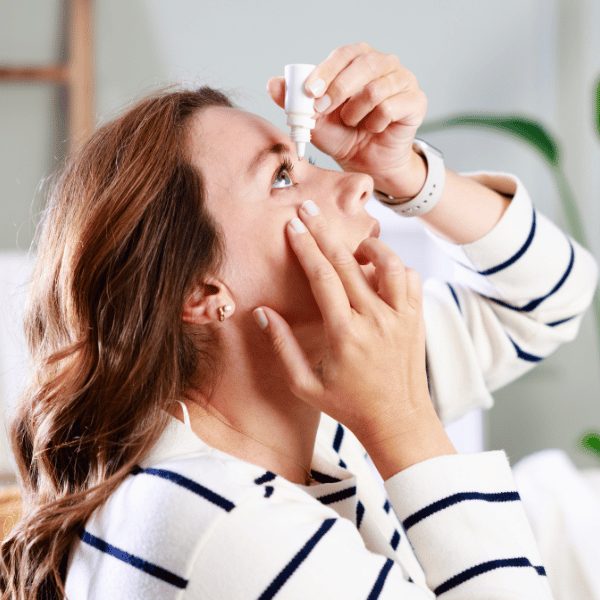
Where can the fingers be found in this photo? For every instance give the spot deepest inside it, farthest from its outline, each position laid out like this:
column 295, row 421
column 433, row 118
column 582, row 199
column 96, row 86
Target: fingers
column 325, row 283
column 397, row 284
column 357, row 71
column 339, row 255
column 276, row 89
column 302, row 379
column 407, row 108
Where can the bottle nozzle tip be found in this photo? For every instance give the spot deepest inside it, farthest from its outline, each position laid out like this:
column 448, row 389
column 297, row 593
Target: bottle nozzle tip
column 300, row 149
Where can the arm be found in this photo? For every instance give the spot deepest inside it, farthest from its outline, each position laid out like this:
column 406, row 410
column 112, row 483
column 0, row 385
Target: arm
column 469, row 530
column 292, row 546
column 520, row 291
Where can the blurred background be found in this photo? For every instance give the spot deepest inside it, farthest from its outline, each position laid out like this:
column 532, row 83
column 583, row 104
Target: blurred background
column 533, row 58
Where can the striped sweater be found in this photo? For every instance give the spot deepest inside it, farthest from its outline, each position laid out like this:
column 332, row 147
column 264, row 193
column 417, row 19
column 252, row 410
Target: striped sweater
column 192, row 522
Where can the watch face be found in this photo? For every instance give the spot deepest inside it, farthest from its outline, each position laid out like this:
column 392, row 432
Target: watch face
column 425, row 146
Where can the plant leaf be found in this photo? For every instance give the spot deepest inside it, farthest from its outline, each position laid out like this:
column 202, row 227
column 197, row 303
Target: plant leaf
column 591, row 443
column 598, row 106
column 528, row 130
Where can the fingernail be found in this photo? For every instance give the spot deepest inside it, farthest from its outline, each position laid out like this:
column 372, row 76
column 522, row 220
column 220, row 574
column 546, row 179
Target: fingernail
column 322, row 103
column 311, row 208
column 316, row 87
column 298, row 225
column 260, row 317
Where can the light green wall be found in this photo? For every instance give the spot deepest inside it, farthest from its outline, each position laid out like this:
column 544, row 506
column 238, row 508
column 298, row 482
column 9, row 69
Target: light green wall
column 514, row 56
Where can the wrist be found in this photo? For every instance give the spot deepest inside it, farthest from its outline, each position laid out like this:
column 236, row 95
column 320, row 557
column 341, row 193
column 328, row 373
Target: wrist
column 417, row 438
column 406, row 182
column 431, row 191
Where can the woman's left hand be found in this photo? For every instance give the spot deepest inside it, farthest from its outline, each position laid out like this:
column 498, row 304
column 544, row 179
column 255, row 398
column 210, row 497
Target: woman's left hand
column 368, row 110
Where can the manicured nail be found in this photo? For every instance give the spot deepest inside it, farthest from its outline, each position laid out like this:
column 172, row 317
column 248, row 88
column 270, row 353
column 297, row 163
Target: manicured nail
column 316, row 87
column 298, row 225
column 311, row 208
column 322, row 103
column 260, row 317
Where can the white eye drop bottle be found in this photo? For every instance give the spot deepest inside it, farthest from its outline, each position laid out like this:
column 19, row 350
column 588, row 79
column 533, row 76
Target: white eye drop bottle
column 298, row 106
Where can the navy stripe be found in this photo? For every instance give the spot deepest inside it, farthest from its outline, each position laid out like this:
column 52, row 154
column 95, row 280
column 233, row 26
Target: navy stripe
column 454, row 296
column 380, row 580
column 342, row 464
column 555, row 323
column 134, row 561
column 387, row 506
column 455, row 499
column 395, row 539
column 484, row 568
column 190, row 485
column 323, row 477
column 338, row 496
column 525, row 355
column 289, row 569
column 269, row 489
column 517, row 256
column 268, row 476
column 533, row 304
column 339, row 435
column 360, row 513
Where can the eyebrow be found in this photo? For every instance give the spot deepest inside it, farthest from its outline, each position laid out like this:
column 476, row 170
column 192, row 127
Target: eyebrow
column 265, row 153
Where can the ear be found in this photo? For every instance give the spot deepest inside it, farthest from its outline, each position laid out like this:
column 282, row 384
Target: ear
column 204, row 301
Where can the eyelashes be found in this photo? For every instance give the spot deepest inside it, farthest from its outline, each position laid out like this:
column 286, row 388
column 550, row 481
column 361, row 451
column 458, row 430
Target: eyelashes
column 312, row 161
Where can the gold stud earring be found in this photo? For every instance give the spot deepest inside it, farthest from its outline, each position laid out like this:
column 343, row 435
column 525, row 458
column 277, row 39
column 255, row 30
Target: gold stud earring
column 223, row 310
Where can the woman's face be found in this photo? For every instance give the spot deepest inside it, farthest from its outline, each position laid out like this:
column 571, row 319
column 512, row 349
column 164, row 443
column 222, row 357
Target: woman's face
column 255, row 186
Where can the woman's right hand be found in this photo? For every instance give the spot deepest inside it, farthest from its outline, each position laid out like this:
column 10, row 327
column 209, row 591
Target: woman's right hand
column 372, row 378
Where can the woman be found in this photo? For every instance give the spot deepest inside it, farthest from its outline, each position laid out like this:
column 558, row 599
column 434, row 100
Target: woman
column 170, row 447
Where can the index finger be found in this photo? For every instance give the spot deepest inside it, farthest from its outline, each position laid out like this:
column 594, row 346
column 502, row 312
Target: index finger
column 325, row 283
column 322, row 75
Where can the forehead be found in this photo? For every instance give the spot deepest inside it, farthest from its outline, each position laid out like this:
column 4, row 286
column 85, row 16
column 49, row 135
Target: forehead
column 220, row 133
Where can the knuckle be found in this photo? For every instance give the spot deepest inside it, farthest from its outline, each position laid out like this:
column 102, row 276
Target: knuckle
column 422, row 100
column 410, row 80
column 385, row 111
column 278, row 343
column 413, row 278
column 371, row 61
column 345, row 52
column 324, row 273
column 392, row 263
column 373, row 92
column 392, row 60
column 340, row 89
column 362, row 46
column 340, row 258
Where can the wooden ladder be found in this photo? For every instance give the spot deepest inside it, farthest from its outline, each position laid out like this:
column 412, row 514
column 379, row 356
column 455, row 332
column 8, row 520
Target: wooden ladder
column 76, row 74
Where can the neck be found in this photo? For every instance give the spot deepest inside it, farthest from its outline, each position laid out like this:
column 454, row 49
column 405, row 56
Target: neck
column 251, row 413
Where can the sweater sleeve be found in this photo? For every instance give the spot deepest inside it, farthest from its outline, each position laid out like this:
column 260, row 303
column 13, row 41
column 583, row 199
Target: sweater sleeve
column 519, row 292
column 468, row 528
column 463, row 517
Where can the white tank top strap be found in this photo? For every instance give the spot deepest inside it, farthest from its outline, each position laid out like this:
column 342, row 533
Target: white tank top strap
column 186, row 414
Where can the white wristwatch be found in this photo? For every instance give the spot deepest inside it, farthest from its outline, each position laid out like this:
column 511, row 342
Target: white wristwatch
column 432, row 190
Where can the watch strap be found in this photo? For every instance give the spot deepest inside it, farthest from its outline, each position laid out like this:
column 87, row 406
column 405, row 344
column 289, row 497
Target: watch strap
column 432, row 190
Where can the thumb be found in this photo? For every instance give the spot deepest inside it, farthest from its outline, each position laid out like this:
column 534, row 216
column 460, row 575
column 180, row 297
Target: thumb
column 303, row 381
column 276, row 89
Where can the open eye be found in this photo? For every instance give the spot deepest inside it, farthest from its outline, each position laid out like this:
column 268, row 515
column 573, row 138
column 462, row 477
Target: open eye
column 283, row 179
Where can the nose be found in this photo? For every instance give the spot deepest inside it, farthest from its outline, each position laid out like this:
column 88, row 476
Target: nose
column 354, row 189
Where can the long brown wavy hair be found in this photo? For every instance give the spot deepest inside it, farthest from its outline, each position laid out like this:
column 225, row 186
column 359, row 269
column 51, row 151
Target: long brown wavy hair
column 124, row 236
